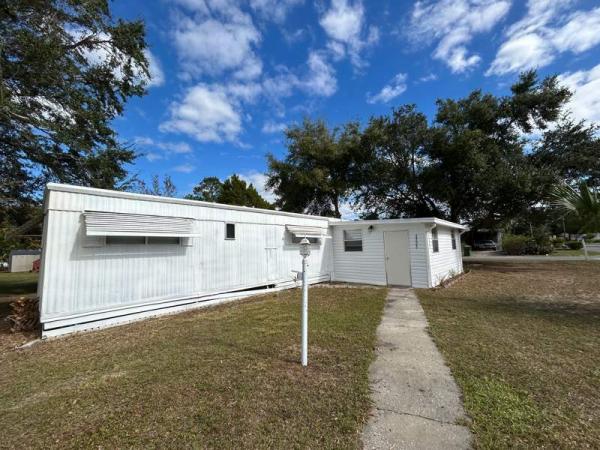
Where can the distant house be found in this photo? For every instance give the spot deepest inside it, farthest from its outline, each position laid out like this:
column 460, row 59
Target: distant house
column 110, row 257
column 22, row 260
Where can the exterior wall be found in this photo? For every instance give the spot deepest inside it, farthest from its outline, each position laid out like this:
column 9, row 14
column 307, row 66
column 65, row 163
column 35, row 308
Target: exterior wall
column 22, row 262
column 368, row 266
column 447, row 262
column 78, row 280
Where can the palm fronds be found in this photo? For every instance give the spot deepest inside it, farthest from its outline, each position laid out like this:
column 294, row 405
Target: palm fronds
column 583, row 202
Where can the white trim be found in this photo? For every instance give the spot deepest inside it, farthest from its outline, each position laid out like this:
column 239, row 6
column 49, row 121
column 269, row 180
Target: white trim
column 424, row 220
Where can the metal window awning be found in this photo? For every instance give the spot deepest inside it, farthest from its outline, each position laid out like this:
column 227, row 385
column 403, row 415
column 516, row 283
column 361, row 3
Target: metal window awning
column 100, row 223
column 304, row 231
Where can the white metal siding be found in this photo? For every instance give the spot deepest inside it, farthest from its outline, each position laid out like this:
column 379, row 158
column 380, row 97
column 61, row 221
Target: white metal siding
column 80, row 279
column 368, row 266
column 447, row 262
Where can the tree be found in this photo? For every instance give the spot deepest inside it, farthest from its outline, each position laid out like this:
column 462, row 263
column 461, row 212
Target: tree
column 317, row 173
column 233, row 191
column 208, row 190
column 165, row 189
column 584, row 203
column 392, row 152
column 67, row 68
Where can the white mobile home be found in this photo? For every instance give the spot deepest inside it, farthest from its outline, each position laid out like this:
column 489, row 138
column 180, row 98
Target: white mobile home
column 110, row 257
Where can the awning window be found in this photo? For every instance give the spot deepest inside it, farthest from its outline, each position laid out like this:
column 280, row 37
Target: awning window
column 303, row 231
column 100, row 223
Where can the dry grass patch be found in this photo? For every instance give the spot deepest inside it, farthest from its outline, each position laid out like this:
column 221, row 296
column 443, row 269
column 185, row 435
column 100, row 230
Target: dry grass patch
column 523, row 341
column 225, row 377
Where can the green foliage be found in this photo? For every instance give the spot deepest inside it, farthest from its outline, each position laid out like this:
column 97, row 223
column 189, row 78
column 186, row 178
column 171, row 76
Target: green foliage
column 575, row 245
column 318, row 172
column 67, row 69
column 583, row 203
column 538, row 244
column 233, row 191
column 165, row 189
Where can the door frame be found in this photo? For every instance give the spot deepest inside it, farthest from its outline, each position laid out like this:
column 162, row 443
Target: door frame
column 385, row 258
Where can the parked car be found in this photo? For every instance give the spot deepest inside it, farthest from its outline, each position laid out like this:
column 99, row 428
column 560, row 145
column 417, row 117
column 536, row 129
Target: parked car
column 487, row 244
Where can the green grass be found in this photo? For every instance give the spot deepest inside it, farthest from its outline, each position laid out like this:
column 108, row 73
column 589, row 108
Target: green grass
column 225, row 377
column 569, row 252
column 18, row 283
column 523, row 342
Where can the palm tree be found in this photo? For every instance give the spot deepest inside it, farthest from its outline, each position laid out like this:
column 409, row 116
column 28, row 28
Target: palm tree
column 584, row 203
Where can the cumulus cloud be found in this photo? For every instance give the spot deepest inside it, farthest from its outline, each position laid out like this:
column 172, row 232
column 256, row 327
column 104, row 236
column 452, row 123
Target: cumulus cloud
column 545, row 32
column 453, row 23
column 206, row 113
column 344, row 24
column 390, row 91
column 275, row 10
column 166, row 148
column 320, row 79
column 271, row 127
column 259, row 181
column 585, row 103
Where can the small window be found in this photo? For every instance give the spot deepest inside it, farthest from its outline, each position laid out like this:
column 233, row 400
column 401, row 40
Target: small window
column 125, row 240
column 297, row 239
column 353, row 241
column 163, row 240
column 230, row 231
column 453, row 239
column 416, row 241
column 435, row 244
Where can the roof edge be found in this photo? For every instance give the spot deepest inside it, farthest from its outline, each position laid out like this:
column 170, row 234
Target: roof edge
column 415, row 220
column 59, row 187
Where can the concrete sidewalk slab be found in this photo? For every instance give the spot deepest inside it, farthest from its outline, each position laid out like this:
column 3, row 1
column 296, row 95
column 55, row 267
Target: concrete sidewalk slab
column 417, row 404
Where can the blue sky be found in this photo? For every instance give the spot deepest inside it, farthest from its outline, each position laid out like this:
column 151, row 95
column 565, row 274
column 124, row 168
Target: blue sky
column 228, row 76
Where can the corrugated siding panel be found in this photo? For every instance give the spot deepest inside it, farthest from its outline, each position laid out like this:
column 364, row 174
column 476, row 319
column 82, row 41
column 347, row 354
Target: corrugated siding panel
column 447, row 262
column 100, row 223
column 80, row 279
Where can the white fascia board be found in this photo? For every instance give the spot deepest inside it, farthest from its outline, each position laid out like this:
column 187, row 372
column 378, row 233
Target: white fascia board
column 414, row 221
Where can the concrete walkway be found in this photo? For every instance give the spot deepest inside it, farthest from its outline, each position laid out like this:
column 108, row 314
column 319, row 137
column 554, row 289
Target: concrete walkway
column 416, row 401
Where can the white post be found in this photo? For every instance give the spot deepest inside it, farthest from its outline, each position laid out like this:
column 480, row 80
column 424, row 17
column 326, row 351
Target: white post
column 304, row 313
column 585, row 251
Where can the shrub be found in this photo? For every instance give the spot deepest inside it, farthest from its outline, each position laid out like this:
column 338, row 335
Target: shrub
column 575, row 245
column 514, row 244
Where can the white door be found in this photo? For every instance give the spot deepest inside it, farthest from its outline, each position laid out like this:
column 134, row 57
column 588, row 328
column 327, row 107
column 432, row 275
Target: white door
column 397, row 258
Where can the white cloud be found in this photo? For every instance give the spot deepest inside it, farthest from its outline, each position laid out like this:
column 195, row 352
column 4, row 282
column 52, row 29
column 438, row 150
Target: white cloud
column 545, row 32
column 430, row 77
column 344, row 23
column 390, row 91
column 157, row 76
column 585, row 103
column 166, row 148
column 258, row 180
column 206, row 113
column 217, row 38
column 275, row 10
column 320, row 79
column 184, row 168
column 453, row 23
column 271, row 127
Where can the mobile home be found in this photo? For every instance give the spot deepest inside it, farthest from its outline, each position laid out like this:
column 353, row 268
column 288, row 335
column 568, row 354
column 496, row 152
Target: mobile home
column 109, row 257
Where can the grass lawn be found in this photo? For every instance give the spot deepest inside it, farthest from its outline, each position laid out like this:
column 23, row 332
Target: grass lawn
column 224, row 377
column 580, row 252
column 18, row 283
column 523, row 341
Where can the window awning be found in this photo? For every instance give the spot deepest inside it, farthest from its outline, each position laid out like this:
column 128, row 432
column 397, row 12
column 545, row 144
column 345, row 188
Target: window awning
column 304, row 231
column 100, row 223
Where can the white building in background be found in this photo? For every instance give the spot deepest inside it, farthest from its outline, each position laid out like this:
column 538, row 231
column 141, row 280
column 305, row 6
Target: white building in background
column 110, row 257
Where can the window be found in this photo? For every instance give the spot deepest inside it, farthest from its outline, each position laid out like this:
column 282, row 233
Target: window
column 125, row 240
column 230, row 231
column 453, row 240
column 353, row 241
column 416, row 241
column 163, row 240
column 435, row 244
column 297, row 239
